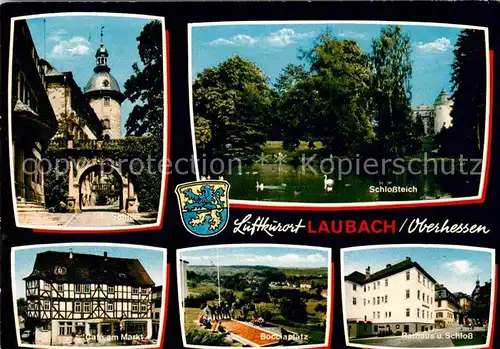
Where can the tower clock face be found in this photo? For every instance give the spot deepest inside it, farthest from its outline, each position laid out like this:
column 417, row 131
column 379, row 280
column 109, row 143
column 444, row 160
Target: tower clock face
column 105, row 83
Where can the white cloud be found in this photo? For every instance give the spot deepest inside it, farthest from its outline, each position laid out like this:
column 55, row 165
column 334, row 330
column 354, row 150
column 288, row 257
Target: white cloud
column 439, row 45
column 289, row 260
column 282, row 37
column 351, row 34
column 76, row 46
column 461, row 267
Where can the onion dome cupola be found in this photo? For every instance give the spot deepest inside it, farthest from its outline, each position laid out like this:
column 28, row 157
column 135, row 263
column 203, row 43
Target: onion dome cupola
column 102, row 83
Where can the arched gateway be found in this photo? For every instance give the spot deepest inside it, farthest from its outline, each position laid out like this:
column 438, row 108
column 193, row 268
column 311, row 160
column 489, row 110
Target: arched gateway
column 80, row 194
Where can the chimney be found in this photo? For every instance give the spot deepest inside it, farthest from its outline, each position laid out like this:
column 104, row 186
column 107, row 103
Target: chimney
column 105, row 255
column 388, row 265
column 408, row 258
column 367, row 272
column 70, row 253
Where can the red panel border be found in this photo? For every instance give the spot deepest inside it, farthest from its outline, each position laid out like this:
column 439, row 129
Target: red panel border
column 164, row 197
column 479, row 200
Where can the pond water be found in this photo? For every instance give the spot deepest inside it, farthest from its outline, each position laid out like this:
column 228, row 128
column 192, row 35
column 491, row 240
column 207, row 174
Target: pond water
column 295, row 184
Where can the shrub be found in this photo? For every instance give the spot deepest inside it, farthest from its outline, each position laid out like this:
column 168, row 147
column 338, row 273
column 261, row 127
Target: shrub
column 198, row 337
column 264, row 313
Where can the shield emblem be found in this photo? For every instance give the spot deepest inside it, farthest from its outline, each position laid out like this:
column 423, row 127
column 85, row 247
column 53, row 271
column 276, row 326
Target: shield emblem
column 204, row 206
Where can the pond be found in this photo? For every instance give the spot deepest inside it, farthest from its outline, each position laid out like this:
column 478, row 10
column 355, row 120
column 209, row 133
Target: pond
column 296, row 184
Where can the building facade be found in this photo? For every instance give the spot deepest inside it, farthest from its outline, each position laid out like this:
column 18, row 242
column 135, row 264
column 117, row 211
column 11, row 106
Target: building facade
column 399, row 298
column 156, row 298
column 81, row 298
column 75, row 116
column 447, row 307
column 33, row 120
column 104, row 96
column 437, row 115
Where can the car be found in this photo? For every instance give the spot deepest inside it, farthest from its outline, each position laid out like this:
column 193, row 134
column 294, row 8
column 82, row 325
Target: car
column 27, row 334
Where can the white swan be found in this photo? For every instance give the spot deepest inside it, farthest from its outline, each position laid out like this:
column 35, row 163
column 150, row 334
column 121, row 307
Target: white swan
column 208, row 177
column 328, row 182
column 329, row 189
column 260, row 186
column 283, row 184
column 221, row 178
column 203, row 178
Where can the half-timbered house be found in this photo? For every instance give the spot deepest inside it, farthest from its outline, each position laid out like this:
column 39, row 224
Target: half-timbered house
column 84, row 298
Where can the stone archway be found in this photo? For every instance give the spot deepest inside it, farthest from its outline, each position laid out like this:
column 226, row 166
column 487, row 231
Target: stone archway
column 91, row 180
column 127, row 200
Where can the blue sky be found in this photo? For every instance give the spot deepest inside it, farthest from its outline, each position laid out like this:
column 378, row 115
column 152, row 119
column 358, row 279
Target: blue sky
column 456, row 269
column 267, row 256
column 152, row 260
column 272, row 47
column 71, row 43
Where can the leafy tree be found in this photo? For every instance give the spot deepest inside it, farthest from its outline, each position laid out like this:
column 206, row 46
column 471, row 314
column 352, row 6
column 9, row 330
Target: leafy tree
column 146, row 85
column 294, row 308
column 22, row 307
column 337, row 90
column 391, row 89
column 235, row 98
column 320, row 308
column 469, row 93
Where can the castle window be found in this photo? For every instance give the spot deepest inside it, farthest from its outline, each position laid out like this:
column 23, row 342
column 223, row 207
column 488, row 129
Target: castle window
column 408, row 275
column 46, row 305
column 60, row 287
column 135, row 290
column 106, row 100
column 354, row 301
column 111, row 289
column 144, row 308
column 144, row 290
column 407, row 312
column 135, row 307
column 78, row 288
column 78, row 307
column 86, row 307
column 353, row 287
column 86, row 288
column 105, row 123
column 110, row 306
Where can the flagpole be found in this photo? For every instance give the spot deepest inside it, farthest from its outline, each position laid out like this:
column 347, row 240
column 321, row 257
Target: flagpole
column 218, row 274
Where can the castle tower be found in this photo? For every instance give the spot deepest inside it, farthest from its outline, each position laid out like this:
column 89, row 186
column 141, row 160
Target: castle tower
column 442, row 110
column 104, row 95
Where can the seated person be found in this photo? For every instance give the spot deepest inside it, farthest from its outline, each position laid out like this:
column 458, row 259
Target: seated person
column 201, row 320
column 207, row 324
column 221, row 328
column 215, row 325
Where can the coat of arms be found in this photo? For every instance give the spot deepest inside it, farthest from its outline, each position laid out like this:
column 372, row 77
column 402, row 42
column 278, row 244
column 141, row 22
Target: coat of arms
column 204, row 206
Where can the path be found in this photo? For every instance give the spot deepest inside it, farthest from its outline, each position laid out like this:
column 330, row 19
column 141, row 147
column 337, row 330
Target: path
column 101, row 219
column 250, row 333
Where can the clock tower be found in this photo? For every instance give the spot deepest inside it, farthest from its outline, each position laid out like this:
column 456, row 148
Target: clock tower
column 104, row 96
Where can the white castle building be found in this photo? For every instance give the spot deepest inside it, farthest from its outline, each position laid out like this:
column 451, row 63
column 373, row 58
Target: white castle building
column 437, row 115
column 399, row 298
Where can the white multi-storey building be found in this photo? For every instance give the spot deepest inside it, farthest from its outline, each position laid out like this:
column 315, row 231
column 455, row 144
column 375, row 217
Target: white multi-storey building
column 81, row 298
column 399, row 298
